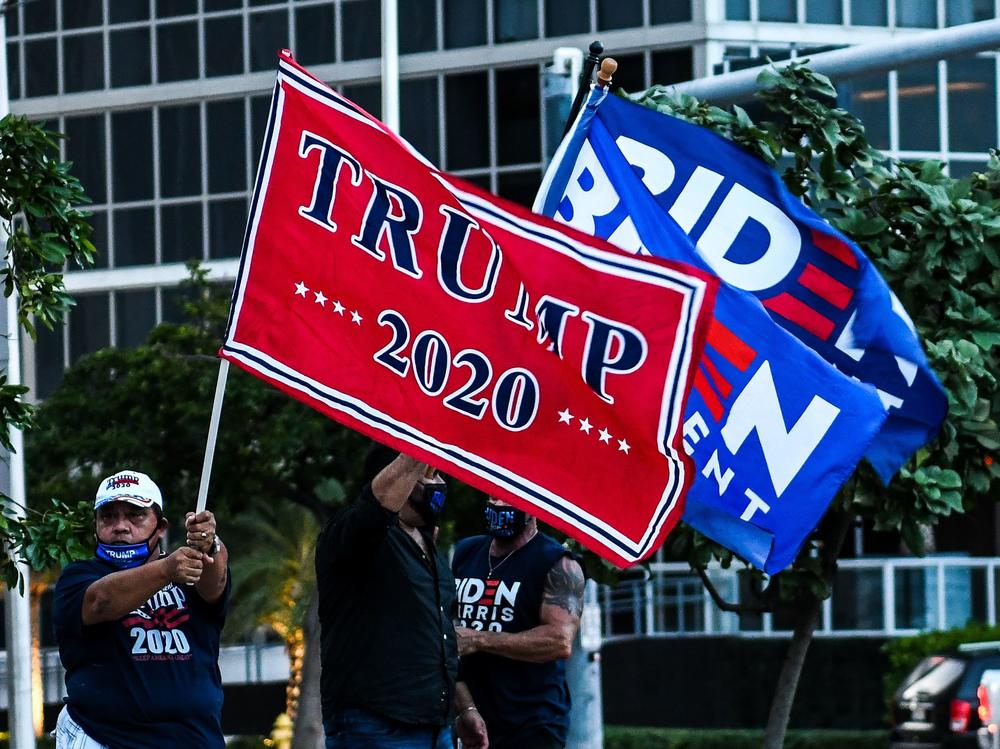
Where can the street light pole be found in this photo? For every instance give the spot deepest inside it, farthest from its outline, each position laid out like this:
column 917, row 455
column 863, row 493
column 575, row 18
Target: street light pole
column 17, row 609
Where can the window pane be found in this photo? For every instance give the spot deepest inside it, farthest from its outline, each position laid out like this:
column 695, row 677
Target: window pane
column 518, row 120
column 868, row 100
column 268, row 36
column 180, row 231
column 123, row 11
column 739, row 10
column 670, row 11
column 50, row 360
column 869, row 13
column 180, row 151
column 418, row 106
column 130, row 57
column 14, row 69
column 78, row 14
column 519, row 187
column 99, row 236
column 227, row 169
column 419, row 19
column 362, row 34
column 564, row 17
column 618, row 14
column 211, row 5
column 177, row 51
column 514, row 20
column 918, row 109
column 83, row 62
column 857, row 599
column 260, row 106
column 777, row 10
column 85, row 147
column 972, row 99
column 467, row 116
column 368, row 96
column 168, row 8
column 174, row 300
column 824, row 11
column 315, row 35
column 223, row 44
column 961, row 169
column 918, row 13
column 13, row 19
column 132, row 155
column 39, row 16
column 89, row 325
column 40, row 68
column 135, row 237
column 916, row 598
column 464, row 23
column 673, row 66
column 630, row 75
column 967, row 11
column 135, row 316
column 227, row 221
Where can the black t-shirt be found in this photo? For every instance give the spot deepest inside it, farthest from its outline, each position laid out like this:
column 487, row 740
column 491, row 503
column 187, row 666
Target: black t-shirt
column 385, row 609
column 517, row 699
column 149, row 680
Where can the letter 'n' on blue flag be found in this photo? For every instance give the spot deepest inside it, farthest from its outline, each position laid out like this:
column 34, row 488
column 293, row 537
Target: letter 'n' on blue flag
column 774, row 428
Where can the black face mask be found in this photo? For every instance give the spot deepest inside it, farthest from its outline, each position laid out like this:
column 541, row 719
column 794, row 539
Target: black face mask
column 504, row 522
column 428, row 501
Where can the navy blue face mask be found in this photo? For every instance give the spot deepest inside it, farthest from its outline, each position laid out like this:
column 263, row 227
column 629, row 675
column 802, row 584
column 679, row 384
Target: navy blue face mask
column 504, row 522
column 125, row 556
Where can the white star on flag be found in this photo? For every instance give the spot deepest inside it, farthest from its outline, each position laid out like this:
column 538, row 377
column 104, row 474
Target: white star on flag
column 338, row 308
column 565, row 417
column 585, row 425
column 605, row 436
column 355, row 317
column 301, row 289
column 624, row 446
column 320, row 298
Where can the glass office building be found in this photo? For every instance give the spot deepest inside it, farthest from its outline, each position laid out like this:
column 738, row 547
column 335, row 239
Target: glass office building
column 164, row 103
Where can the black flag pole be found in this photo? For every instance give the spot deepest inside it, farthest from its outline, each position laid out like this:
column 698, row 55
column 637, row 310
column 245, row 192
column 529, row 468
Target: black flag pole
column 589, row 63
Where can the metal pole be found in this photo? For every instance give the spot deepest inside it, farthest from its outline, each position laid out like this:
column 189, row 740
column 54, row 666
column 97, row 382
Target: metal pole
column 583, row 674
column 390, row 64
column 589, row 63
column 213, row 434
column 17, row 610
column 860, row 60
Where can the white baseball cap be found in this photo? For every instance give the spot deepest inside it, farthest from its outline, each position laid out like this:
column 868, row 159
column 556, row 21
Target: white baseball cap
column 129, row 486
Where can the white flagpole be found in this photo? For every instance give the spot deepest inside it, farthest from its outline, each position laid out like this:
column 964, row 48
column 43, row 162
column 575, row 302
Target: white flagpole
column 390, row 64
column 213, row 433
column 20, row 709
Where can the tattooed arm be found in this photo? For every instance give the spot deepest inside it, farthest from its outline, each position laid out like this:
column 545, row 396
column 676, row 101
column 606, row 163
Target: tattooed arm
column 562, row 603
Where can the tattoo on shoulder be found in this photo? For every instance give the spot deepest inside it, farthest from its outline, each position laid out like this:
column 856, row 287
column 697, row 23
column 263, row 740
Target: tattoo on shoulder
column 564, row 586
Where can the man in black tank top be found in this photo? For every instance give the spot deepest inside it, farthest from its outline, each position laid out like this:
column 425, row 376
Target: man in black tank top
column 520, row 595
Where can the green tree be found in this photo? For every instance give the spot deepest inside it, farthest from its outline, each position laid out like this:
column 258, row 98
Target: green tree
column 44, row 229
column 936, row 241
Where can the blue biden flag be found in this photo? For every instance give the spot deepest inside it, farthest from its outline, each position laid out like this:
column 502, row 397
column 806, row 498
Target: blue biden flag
column 773, row 428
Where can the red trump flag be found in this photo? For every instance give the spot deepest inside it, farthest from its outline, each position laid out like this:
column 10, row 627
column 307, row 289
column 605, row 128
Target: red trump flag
column 539, row 364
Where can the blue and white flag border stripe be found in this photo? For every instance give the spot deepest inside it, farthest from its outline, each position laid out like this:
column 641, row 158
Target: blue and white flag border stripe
column 692, row 289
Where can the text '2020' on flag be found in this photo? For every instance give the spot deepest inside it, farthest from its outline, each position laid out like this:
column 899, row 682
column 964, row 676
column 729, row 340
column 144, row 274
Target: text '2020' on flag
column 542, row 365
column 774, row 429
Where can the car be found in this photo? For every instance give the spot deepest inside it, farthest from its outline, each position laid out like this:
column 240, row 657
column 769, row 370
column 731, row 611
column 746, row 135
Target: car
column 989, row 709
column 938, row 704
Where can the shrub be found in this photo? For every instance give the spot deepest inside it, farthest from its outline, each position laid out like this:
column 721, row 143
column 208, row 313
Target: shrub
column 622, row 737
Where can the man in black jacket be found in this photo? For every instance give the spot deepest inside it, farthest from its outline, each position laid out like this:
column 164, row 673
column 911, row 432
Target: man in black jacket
column 386, row 601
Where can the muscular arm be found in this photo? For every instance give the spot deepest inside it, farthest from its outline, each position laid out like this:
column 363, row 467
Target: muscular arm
column 116, row 594
column 394, row 483
column 562, row 604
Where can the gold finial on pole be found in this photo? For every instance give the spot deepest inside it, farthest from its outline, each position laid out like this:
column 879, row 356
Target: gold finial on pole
column 608, row 67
